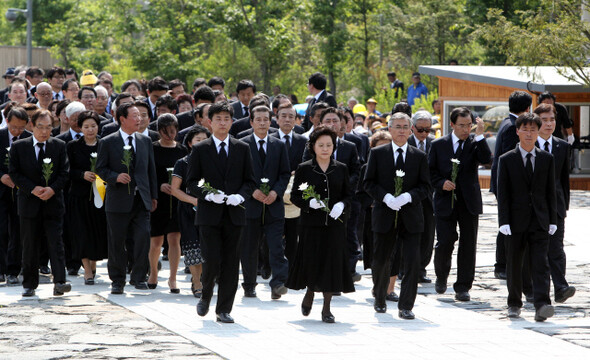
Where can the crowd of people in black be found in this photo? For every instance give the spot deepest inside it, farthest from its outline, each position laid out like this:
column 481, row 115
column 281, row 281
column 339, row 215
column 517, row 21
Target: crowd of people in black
column 89, row 174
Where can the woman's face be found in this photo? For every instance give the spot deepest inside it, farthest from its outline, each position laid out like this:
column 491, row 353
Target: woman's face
column 323, row 147
column 168, row 134
column 184, row 106
column 197, row 139
column 89, row 129
column 133, row 90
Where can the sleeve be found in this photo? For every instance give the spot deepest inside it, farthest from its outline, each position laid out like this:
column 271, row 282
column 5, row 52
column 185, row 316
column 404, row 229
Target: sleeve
column 370, row 183
column 63, row 173
column 15, row 172
column 102, row 164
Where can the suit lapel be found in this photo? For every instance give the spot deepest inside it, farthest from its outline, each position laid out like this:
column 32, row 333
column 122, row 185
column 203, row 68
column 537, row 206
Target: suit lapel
column 233, row 156
column 214, row 155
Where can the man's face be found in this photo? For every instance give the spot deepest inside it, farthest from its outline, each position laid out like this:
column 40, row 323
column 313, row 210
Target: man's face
column 286, row 120
column 205, row 121
column 102, row 99
column 42, row 130
column 18, row 93
column 400, row 131
column 155, row 95
column 216, row 87
column 130, row 124
column 108, row 87
column 436, row 107
column 164, row 109
column 44, row 94
column 198, row 138
column 527, row 134
column 174, row 92
column 315, row 119
column 72, row 92
column 106, row 76
column 548, row 101
column 144, row 118
column 16, row 126
column 349, row 122
column 88, row 99
column 391, row 78
column 220, row 124
column 548, row 124
column 73, row 121
column 371, row 107
column 35, row 80
column 421, row 129
column 333, row 121
column 276, row 90
column 56, row 81
column 245, row 95
column 352, row 103
column 260, row 123
column 8, row 80
column 462, row 127
column 416, row 80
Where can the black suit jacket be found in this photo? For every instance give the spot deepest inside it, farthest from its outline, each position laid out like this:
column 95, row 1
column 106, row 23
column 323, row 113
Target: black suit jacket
column 250, row 131
column 506, row 140
column 346, row 154
column 324, row 97
column 467, row 181
column 429, row 139
column 520, row 202
column 276, row 169
column 26, row 172
column 238, row 110
column 65, row 137
column 4, row 145
column 186, row 119
column 243, row 124
column 114, row 127
column 237, row 179
column 298, row 144
column 561, row 155
column 380, row 180
column 143, row 173
column 362, row 147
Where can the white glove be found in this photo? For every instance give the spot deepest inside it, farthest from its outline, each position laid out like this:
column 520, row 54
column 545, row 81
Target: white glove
column 216, row 198
column 571, row 139
column 505, row 229
column 337, row 210
column 552, row 229
column 403, row 199
column 389, row 200
column 314, row 204
column 234, row 200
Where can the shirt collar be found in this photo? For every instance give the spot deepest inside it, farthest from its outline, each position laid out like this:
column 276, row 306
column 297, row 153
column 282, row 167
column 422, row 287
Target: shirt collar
column 524, row 153
column 217, row 141
column 542, row 142
column 258, row 139
column 35, row 141
column 146, row 132
column 282, row 134
column 125, row 136
column 73, row 133
column 454, row 137
column 317, row 96
column 395, row 147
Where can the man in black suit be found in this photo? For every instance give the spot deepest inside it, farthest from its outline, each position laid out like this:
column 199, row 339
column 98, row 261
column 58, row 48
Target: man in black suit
column 360, row 140
column 72, row 111
column 132, row 192
column 111, row 125
column 10, row 247
column 459, row 201
column 156, row 87
column 421, row 139
column 201, row 119
column 40, row 200
column 316, row 84
column 226, row 165
column 276, row 102
column 527, row 214
column 265, row 212
column 241, row 126
column 314, row 116
column 203, row 95
column 246, row 91
column 519, row 103
column 560, row 150
column 406, row 207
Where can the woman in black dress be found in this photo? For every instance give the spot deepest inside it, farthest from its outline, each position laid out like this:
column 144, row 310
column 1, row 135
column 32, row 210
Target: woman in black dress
column 88, row 223
column 164, row 219
column 321, row 262
column 189, row 239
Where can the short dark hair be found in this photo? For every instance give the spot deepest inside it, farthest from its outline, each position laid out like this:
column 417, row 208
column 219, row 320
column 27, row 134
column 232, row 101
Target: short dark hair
column 415, row 74
column 33, row 71
column 216, row 80
column 546, row 95
column 244, row 84
column 123, row 110
column 391, row 73
column 198, row 82
column 184, row 98
column 88, row 114
column 157, row 84
column 86, row 88
column 261, row 108
column 204, row 93
column 128, row 83
column 318, row 80
column 519, row 101
column 194, row 131
column 436, row 101
column 330, row 110
column 139, row 103
column 19, row 113
column 460, row 111
column 403, row 107
column 219, row 107
column 293, row 99
column 345, row 110
column 40, row 113
column 543, row 108
column 61, row 106
column 18, row 80
column 321, row 130
column 55, row 70
column 121, row 96
column 165, row 122
column 200, row 108
column 258, row 100
column 528, row 119
column 176, row 83
column 105, row 81
column 168, row 101
column 71, row 71
column 276, row 101
column 67, row 83
column 318, row 106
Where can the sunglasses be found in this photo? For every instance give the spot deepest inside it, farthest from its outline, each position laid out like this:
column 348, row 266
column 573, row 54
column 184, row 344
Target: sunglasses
column 421, row 130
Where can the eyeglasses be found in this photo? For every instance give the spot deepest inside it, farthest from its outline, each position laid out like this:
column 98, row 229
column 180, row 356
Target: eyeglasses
column 421, row 130
column 88, row 97
column 44, row 93
column 44, row 128
column 400, row 127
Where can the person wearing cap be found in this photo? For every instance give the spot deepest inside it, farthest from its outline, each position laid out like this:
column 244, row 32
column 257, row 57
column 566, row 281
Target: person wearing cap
column 56, row 77
column 417, row 89
column 88, row 78
column 8, row 76
column 371, row 107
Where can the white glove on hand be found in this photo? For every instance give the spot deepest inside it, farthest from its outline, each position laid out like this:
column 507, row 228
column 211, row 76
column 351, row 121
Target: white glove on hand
column 337, row 210
column 571, row 139
column 234, row 200
column 314, row 204
column 552, row 229
column 505, row 229
column 389, row 200
column 403, row 199
column 216, row 198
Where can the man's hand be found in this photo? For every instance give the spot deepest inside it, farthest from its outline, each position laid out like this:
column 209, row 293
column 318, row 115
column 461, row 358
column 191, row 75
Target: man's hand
column 272, row 197
column 216, row 198
column 480, row 126
column 123, row 178
column 6, row 180
column 259, row 195
column 449, row 185
column 37, row 190
column 154, row 205
column 166, row 188
column 234, row 200
column 46, row 193
column 89, row 176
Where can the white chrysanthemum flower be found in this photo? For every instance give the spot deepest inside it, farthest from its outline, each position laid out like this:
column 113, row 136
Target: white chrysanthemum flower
column 8, row 148
column 303, row 186
column 201, row 183
column 127, row 147
column 456, row 161
column 93, row 155
column 47, row 161
column 170, row 169
column 400, row 173
column 264, row 180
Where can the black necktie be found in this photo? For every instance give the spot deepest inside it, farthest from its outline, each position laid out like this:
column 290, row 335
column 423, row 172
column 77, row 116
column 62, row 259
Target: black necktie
column 41, row 152
column 459, row 149
column 529, row 166
column 261, row 151
column 56, row 96
column 421, row 145
column 547, row 146
column 399, row 162
column 78, row 136
column 287, row 141
column 246, row 111
column 14, row 138
column 222, row 156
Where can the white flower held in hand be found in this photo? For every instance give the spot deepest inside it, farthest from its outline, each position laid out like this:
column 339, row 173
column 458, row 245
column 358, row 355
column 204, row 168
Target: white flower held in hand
column 201, row 183
column 303, row 186
column 456, row 161
column 8, row 148
column 93, row 155
column 127, row 147
column 264, row 180
column 47, row 161
column 400, row 173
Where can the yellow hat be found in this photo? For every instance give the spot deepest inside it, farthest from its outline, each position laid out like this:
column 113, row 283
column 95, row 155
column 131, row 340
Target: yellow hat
column 359, row 108
column 371, row 100
column 88, row 79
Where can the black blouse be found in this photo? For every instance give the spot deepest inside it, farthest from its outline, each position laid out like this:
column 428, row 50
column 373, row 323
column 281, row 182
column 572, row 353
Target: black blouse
column 79, row 157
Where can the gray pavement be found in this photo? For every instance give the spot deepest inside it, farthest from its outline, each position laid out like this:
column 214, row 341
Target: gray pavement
column 91, row 323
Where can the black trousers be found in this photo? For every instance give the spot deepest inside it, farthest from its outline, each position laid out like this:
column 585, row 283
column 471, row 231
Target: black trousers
column 10, row 245
column 137, row 223
column 291, row 239
column 352, row 240
column 220, row 250
column 251, row 238
column 427, row 237
column 68, row 239
column 556, row 256
column 385, row 245
column 537, row 240
column 32, row 231
column 446, row 235
column 500, row 265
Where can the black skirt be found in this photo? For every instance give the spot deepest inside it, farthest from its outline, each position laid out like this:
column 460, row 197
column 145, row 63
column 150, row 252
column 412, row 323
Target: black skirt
column 88, row 228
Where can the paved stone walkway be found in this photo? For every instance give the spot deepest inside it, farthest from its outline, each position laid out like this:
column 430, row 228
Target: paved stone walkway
column 92, row 323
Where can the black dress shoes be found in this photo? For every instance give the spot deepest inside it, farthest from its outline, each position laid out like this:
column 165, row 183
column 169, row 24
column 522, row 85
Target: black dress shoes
column 500, row 275
column 462, row 296
column 277, row 292
column 28, row 292
column 225, row 318
column 328, row 318
column 117, row 289
column 139, row 285
column 2, row 278
column 380, row 308
column 560, row 296
column 513, row 311
column 544, row 312
column 250, row 292
column 530, row 298
column 61, row 288
column 440, row 286
column 424, row 280
column 202, row 307
column 12, row 280
column 44, row 269
column 392, row 296
column 406, row 314
column 73, row 272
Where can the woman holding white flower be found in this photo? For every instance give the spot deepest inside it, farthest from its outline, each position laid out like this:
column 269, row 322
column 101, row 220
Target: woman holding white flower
column 322, row 191
column 88, row 223
column 164, row 220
